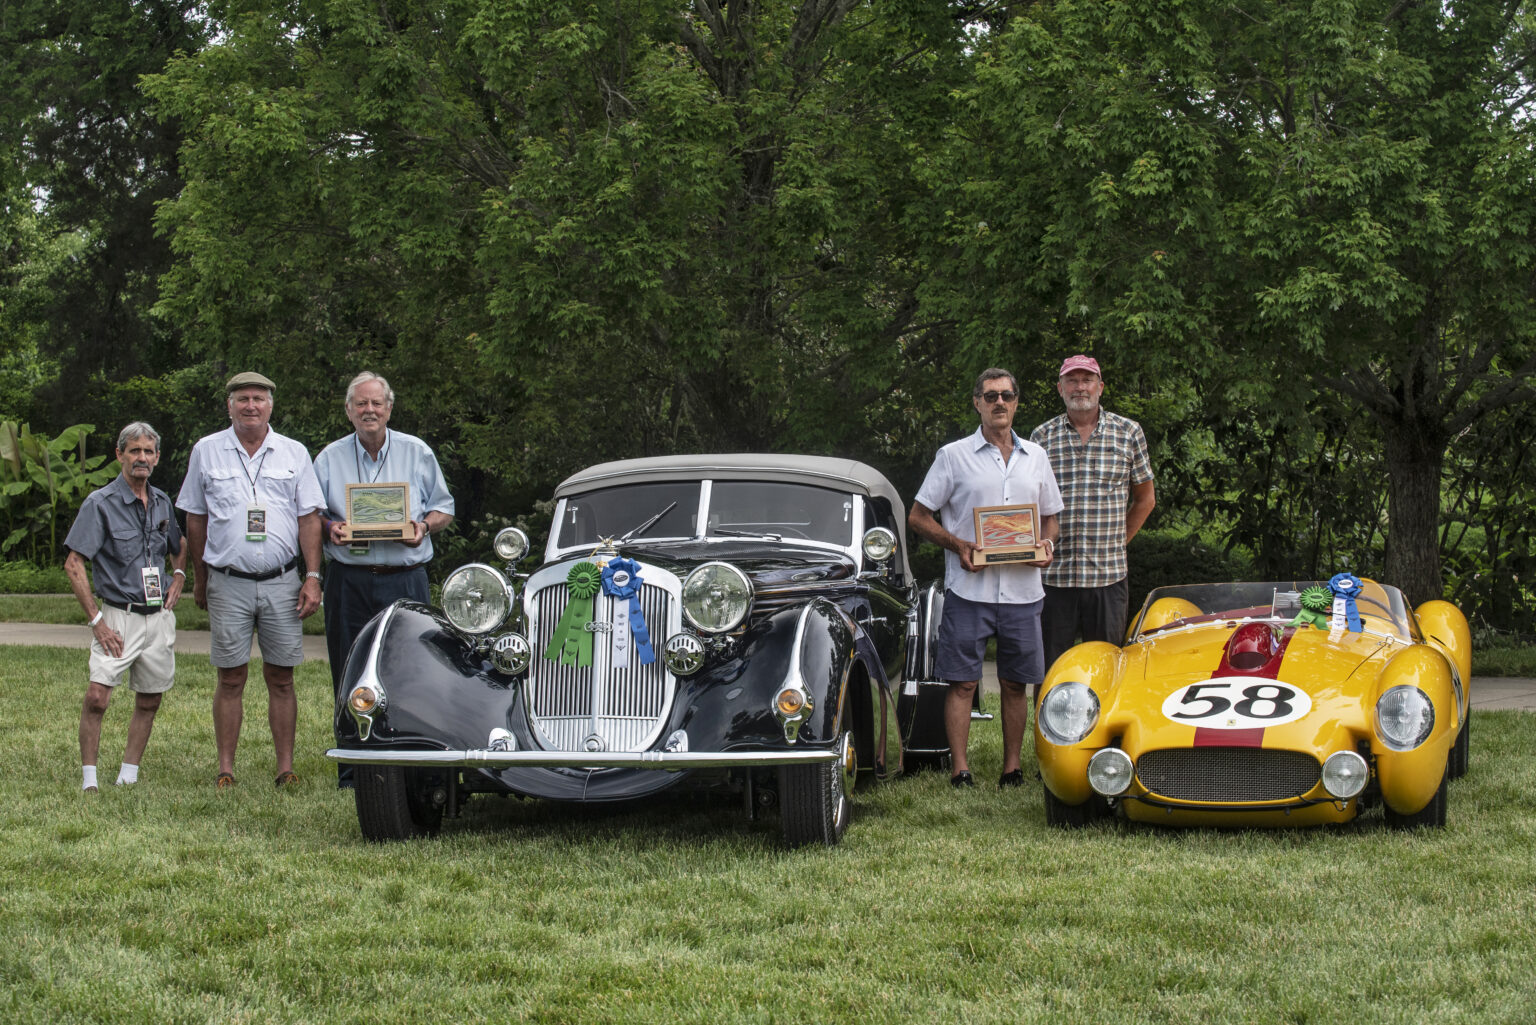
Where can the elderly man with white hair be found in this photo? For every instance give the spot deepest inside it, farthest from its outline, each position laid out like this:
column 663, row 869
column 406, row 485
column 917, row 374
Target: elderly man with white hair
column 367, row 576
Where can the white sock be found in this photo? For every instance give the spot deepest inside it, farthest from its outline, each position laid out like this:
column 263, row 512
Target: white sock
column 87, row 777
column 127, row 774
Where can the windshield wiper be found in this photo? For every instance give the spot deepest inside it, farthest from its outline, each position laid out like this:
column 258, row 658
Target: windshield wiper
column 647, row 525
column 749, row 533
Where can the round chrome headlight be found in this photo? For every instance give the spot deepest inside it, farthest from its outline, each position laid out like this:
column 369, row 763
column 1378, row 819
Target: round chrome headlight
column 511, row 653
column 716, row 597
column 1404, row 717
column 683, row 654
column 1110, row 772
column 1069, row 713
column 879, row 544
column 476, row 598
column 1345, row 774
column 511, row 544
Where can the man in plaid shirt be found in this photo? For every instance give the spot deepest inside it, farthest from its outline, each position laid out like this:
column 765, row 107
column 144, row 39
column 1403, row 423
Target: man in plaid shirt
column 1100, row 462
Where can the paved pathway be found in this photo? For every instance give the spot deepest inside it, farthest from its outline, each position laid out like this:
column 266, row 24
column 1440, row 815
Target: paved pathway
column 1488, row 692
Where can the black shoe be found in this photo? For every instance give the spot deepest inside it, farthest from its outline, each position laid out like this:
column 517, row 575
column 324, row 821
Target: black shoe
column 961, row 779
column 1011, row 779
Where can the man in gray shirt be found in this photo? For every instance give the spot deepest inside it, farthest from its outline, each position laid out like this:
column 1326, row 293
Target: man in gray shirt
column 126, row 530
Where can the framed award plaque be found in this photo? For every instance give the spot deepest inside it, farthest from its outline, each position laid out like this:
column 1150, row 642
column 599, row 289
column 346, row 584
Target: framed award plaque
column 379, row 512
column 1007, row 533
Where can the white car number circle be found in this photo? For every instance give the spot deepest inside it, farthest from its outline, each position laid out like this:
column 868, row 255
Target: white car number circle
column 1237, row 703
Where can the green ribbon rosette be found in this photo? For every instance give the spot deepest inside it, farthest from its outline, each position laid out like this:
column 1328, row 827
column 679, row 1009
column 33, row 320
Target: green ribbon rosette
column 1316, row 603
column 571, row 642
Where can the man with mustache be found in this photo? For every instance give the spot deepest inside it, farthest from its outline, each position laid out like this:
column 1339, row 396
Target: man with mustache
column 366, row 577
column 126, row 530
column 1100, row 461
column 252, row 505
column 994, row 466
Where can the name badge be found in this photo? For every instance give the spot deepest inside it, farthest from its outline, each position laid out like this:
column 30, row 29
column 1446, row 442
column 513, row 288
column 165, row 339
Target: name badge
column 359, row 548
column 255, row 523
column 153, row 595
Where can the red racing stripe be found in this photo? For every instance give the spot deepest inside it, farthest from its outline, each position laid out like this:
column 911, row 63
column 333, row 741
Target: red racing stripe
column 1248, row 644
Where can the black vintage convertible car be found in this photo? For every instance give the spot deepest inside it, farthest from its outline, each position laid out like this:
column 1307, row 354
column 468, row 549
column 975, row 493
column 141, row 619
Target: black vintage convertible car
column 741, row 623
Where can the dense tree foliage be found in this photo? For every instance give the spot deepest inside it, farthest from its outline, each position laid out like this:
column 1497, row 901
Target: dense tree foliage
column 1297, row 234
column 1320, row 212
column 82, row 261
column 579, row 231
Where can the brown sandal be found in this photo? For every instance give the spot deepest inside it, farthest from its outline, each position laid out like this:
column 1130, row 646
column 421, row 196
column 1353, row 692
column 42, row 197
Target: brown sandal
column 286, row 779
column 225, row 781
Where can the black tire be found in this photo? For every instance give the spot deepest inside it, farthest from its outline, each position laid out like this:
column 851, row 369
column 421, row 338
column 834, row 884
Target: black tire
column 1431, row 816
column 1062, row 815
column 814, row 803
column 1461, row 752
column 392, row 805
column 912, row 764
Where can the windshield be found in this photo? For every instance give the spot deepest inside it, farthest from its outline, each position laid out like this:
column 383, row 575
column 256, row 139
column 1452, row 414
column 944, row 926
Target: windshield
column 1382, row 607
column 733, row 508
column 613, row 512
column 791, row 511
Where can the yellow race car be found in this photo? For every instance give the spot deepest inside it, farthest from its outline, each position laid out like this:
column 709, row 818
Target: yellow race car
column 1261, row 704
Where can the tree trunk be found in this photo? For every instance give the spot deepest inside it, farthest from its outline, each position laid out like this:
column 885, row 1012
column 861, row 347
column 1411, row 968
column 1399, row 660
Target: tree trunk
column 1415, row 452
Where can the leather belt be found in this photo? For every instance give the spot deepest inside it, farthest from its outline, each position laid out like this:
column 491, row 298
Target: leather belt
column 134, row 607
column 378, row 571
column 258, row 577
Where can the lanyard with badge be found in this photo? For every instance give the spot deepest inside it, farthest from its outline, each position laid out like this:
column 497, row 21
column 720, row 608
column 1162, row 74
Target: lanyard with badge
column 255, row 513
column 154, row 593
column 361, row 547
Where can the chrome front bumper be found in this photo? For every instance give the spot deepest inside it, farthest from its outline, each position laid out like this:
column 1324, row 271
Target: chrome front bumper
column 673, row 761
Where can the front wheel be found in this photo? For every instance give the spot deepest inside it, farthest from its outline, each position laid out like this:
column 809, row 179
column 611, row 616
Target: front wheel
column 814, row 803
column 1461, row 752
column 1431, row 815
column 1062, row 815
column 393, row 804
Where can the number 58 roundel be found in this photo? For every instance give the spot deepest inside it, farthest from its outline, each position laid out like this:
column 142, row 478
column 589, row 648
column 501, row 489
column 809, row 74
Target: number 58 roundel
column 1236, row 703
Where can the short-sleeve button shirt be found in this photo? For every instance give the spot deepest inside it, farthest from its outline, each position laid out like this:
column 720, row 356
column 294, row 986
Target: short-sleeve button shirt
column 404, row 457
column 120, row 536
column 1095, row 477
column 222, row 482
column 971, row 472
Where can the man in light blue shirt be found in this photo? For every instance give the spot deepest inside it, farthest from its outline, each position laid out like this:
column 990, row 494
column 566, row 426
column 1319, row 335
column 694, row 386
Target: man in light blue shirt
column 366, row 577
column 994, row 466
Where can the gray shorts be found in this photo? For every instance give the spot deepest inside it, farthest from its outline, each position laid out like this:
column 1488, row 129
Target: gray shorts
column 963, row 634
column 237, row 608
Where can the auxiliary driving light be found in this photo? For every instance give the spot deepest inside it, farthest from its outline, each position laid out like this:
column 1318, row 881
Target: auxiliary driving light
column 1110, row 772
column 1345, row 774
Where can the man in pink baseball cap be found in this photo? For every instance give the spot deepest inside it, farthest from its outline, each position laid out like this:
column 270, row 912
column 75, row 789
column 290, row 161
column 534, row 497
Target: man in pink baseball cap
column 1101, row 465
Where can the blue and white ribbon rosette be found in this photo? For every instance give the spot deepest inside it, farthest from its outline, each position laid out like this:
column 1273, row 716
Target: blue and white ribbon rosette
column 1346, row 587
column 621, row 581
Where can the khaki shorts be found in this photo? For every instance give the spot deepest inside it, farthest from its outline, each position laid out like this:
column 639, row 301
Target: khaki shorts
column 237, row 607
column 149, row 652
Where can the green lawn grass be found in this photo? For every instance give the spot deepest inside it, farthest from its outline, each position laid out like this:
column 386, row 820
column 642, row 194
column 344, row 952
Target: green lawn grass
column 172, row 902
column 62, row 608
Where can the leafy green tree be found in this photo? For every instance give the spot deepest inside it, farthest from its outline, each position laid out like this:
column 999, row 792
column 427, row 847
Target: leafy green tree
column 80, row 270
column 575, row 231
column 1322, row 210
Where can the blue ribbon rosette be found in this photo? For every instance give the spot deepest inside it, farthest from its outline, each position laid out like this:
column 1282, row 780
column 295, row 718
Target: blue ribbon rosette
column 1347, row 586
column 621, row 581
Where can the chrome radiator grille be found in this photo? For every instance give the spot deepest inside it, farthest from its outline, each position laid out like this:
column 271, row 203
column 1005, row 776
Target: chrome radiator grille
column 1228, row 774
column 598, row 707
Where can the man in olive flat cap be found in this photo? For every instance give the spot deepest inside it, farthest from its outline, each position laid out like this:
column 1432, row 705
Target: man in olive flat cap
column 253, row 522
